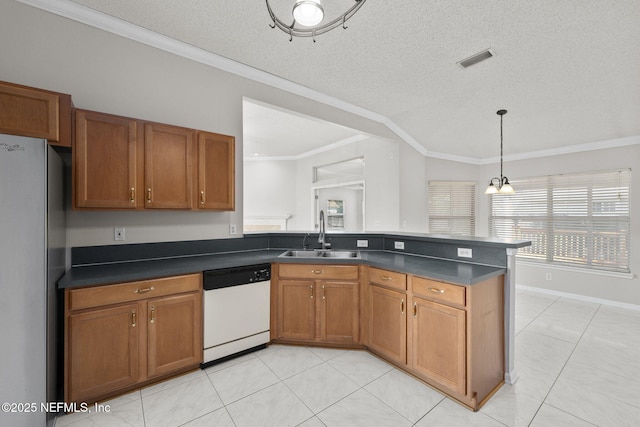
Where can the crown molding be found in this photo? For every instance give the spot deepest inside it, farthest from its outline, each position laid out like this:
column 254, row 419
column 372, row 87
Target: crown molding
column 329, row 147
column 570, row 149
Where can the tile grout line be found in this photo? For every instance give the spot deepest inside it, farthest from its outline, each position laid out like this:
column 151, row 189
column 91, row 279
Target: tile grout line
column 562, row 369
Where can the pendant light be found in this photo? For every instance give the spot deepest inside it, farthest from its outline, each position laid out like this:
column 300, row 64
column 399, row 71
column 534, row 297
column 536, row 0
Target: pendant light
column 500, row 185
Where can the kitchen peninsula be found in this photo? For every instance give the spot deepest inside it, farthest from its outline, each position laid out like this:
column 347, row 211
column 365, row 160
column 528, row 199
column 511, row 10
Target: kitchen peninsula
column 440, row 276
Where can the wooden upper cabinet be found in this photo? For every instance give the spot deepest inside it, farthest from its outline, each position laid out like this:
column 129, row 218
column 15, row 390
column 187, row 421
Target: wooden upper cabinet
column 168, row 166
column 36, row 113
column 125, row 163
column 105, row 161
column 216, row 172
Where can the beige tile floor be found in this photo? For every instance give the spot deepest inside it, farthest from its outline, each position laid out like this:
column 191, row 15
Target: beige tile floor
column 578, row 362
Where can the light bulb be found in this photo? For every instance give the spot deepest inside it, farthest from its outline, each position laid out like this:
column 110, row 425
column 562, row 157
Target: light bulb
column 507, row 189
column 308, row 12
column 491, row 189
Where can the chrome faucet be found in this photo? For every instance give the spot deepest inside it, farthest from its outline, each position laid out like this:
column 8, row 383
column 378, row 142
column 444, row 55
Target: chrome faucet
column 321, row 235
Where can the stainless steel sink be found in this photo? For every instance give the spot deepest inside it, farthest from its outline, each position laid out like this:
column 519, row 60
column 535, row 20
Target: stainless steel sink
column 320, row 254
column 301, row 254
column 341, row 254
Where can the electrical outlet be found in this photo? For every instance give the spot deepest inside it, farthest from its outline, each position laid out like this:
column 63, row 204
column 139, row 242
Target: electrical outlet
column 398, row 245
column 233, row 229
column 118, row 233
column 465, row 253
column 362, row 243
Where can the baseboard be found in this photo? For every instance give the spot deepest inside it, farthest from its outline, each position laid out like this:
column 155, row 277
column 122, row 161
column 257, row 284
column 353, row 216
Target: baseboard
column 580, row 297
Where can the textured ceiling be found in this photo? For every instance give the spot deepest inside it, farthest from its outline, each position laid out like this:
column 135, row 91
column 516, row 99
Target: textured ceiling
column 567, row 71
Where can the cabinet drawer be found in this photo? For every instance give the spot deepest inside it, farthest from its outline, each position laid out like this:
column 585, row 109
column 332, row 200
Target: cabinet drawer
column 389, row 279
column 439, row 291
column 133, row 291
column 318, row 271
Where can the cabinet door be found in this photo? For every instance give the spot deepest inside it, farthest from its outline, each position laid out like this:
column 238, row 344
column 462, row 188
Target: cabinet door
column 388, row 323
column 296, row 309
column 174, row 333
column 103, row 351
column 105, row 161
column 168, row 166
column 339, row 314
column 216, row 171
column 438, row 343
column 29, row 112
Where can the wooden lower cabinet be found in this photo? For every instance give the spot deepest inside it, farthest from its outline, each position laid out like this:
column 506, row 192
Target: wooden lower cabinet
column 119, row 337
column 296, row 310
column 448, row 335
column 388, row 323
column 104, row 354
column 456, row 337
column 316, row 304
column 338, row 310
column 438, row 344
column 175, row 324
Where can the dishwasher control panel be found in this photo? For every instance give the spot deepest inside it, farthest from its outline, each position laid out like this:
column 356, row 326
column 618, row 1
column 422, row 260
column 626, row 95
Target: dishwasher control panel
column 234, row 276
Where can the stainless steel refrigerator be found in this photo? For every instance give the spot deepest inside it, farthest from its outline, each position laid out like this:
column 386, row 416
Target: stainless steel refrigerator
column 32, row 259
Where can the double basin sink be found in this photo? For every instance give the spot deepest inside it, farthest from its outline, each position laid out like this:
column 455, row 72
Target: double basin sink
column 320, row 254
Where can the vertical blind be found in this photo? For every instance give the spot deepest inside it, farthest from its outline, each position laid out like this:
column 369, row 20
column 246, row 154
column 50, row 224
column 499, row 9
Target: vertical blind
column 452, row 207
column 581, row 220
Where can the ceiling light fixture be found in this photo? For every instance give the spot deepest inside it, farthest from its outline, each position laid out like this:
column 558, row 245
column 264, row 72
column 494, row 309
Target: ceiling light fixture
column 500, row 185
column 307, row 19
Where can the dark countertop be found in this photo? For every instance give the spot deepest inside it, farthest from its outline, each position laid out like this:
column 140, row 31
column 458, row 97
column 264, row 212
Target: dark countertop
column 461, row 273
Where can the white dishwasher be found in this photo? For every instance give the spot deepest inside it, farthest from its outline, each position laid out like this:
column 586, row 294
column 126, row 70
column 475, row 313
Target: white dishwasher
column 236, row 311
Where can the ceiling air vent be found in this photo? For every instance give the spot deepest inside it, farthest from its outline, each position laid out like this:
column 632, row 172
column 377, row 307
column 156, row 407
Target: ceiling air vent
column 478, row 57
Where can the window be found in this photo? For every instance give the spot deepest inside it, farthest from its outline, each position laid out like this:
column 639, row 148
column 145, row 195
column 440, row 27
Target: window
column 580, row 220
column 452, row 207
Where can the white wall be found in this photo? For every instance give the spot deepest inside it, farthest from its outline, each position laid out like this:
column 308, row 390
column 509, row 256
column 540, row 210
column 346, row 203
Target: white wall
column 268, row 187
column 382, row 188
column 413, row 196
column 108, row 73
